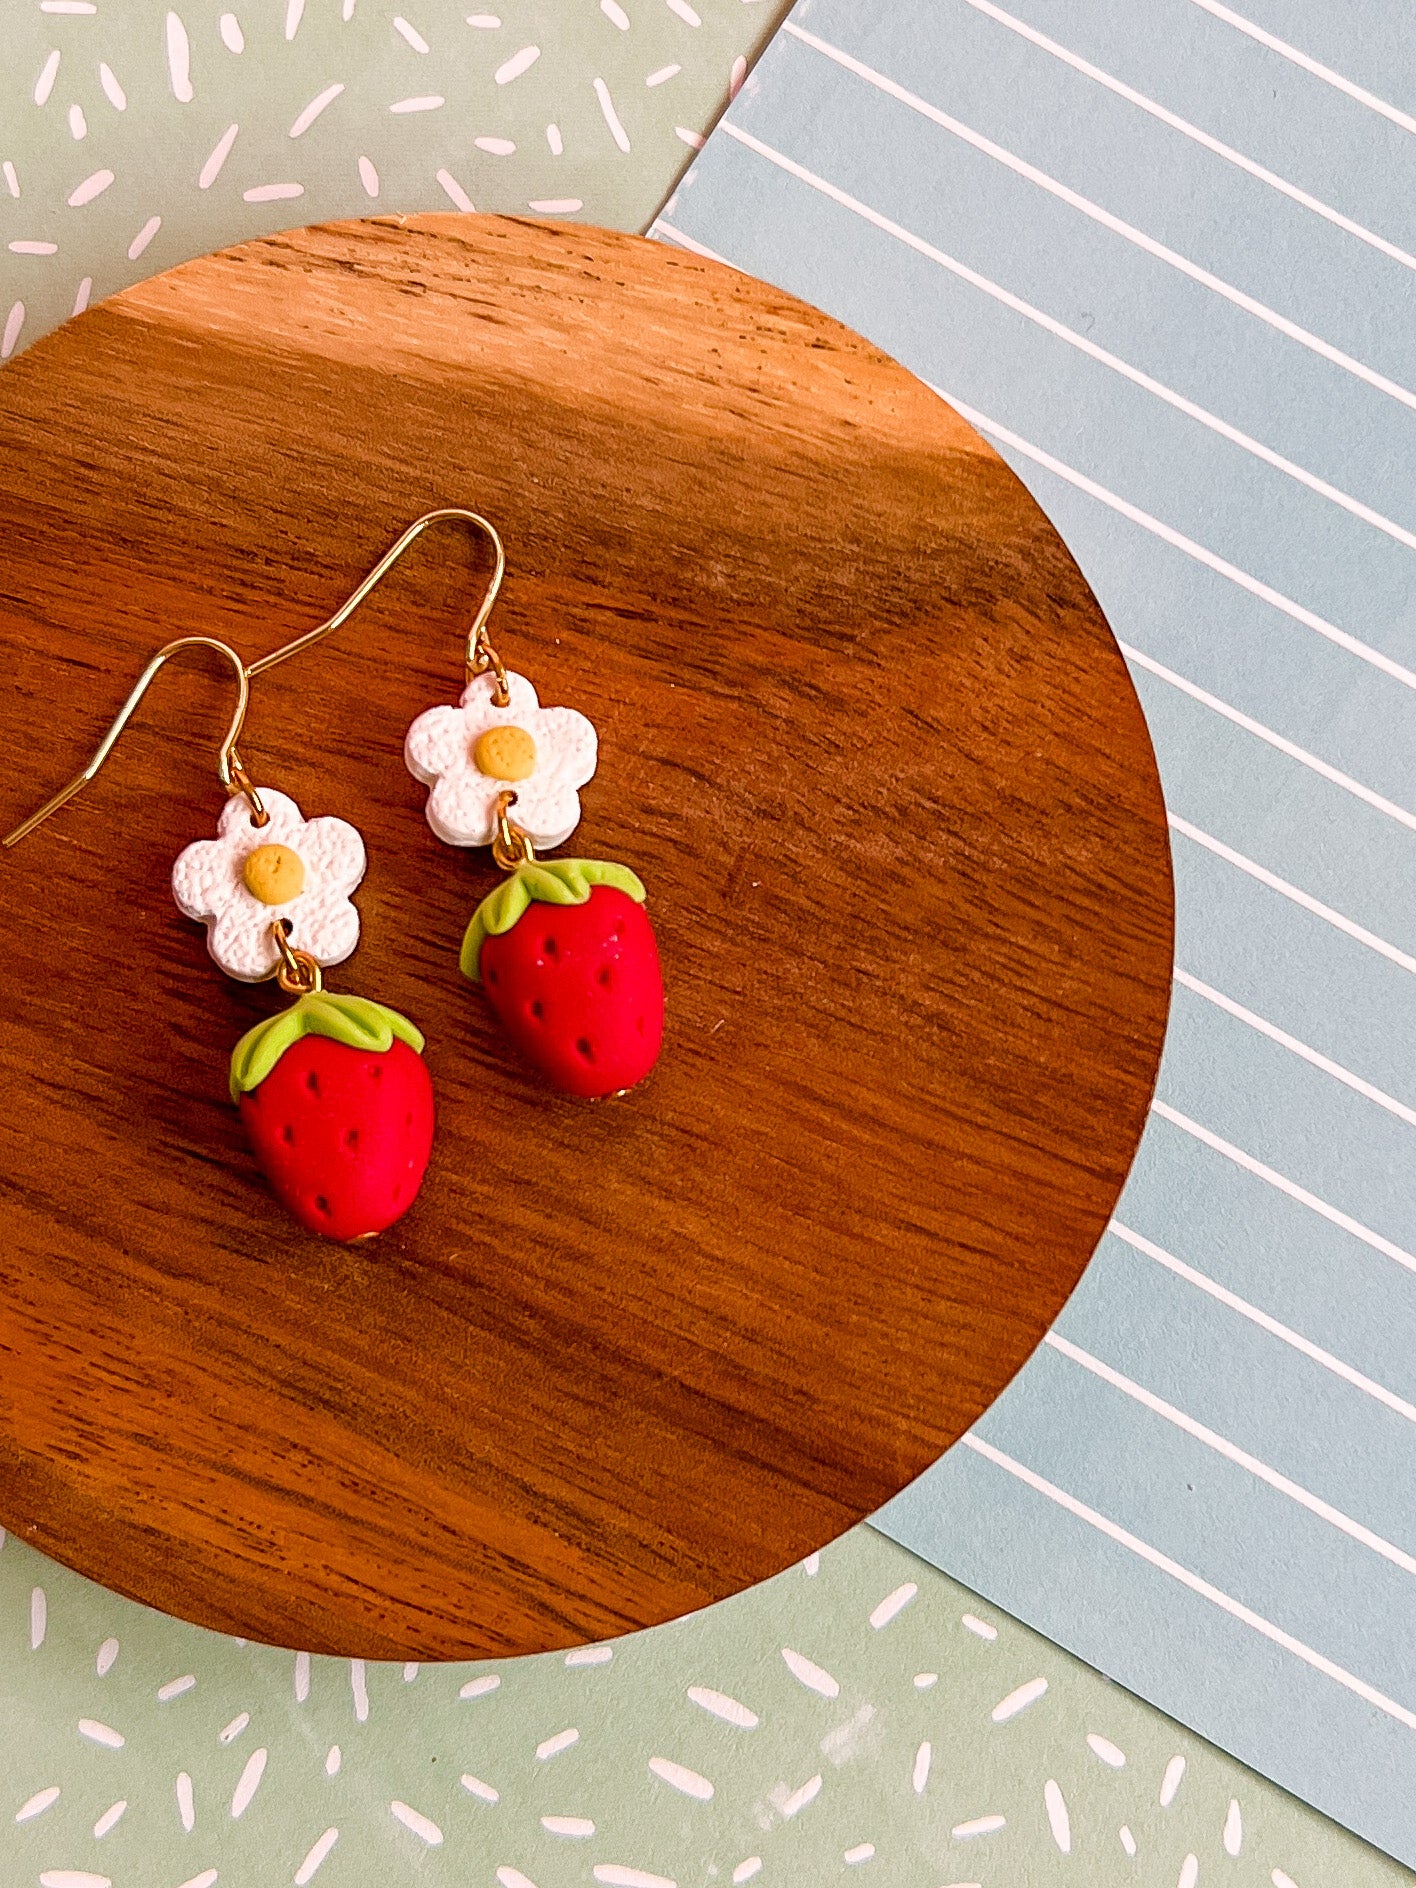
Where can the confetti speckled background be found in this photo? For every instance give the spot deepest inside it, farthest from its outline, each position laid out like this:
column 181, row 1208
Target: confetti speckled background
column 133, row 136
column 862, row 1718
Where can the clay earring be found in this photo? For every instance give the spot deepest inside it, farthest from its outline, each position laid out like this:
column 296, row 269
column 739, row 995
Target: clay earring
column 563, row 948
column 333, row 1091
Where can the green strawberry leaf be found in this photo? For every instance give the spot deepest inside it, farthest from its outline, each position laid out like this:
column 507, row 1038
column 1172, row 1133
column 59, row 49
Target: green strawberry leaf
column 547, row 882
column 349, row 1019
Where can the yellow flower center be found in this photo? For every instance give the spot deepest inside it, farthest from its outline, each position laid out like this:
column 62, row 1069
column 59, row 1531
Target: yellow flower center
column 274, row 874
column 505, row 753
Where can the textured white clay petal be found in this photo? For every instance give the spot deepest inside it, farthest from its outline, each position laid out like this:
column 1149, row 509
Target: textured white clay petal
column 240, row 941
column 478, row 693
column 203, row 879
column 565, row 743
column 282, row 828
column 546, row 811
column 324, row 924
column 333, row 852
column 460, row 807
column 436, row 742
column 480, row 716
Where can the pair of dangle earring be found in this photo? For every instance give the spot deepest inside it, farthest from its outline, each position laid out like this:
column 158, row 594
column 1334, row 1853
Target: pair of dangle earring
column 333, row 1090
column 563, row 948
column 335, row 1096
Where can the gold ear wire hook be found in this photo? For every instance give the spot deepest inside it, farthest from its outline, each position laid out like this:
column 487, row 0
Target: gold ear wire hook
column 481, row 656
column 230, row 771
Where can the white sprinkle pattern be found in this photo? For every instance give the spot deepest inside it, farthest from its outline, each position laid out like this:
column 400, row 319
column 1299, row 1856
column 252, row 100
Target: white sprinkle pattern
column 248, row 1782
column 1019, row 1700
column 144, row 237
column 720, row 1705
column 807, row 1673
column 421, row 1826
column 110, row 1818
column 1170, row 1782
column 1058, row 1820
column 611, row 116
column 980, row 1826
column 1233, row 1829
column 679, row 1777
column 44, row 84
column 574, row 1828
column 91, row 187
column 553, row 1746
column 454, row 190
column 319, row 103
column 37, row 1804
column 410, row 33
column 893, row 1604
column 793, row 1804
column 589, row 1654
column 314, row 1856
column 518, row 63
column 179, row 56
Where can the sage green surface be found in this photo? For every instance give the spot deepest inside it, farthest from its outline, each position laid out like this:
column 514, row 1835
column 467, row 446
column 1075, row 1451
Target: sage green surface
column 625, row 90
column 206, row 1760
column 855, row 1722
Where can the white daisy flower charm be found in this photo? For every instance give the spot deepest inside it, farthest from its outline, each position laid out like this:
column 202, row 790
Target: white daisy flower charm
column 471, row 754
column 240, row 883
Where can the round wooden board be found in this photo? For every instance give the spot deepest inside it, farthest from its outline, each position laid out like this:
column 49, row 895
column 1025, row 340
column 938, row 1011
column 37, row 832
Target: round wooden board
column 863, row 731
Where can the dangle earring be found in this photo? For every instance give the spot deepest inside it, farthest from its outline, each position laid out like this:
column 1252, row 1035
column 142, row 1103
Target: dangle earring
column 563, row 947
column 333, row 1091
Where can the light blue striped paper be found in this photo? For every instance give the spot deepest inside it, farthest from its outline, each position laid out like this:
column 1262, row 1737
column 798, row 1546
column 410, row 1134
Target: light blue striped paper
column 1164, row 256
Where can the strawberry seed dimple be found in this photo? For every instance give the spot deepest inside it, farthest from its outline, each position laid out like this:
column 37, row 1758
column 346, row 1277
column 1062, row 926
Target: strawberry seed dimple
column 536, row 1009
column 312, row 1082
column 287, row 1134
column 604, row 979
column 549, row 947
column 351, row 1138
column 322, row 1205
column 584, row 1051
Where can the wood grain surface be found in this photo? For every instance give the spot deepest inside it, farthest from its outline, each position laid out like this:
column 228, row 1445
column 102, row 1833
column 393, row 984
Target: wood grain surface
column 864, row 733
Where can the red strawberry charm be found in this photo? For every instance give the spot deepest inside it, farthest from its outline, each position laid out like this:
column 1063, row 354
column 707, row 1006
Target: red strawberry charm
column 338, row 1105
column 566, row 953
